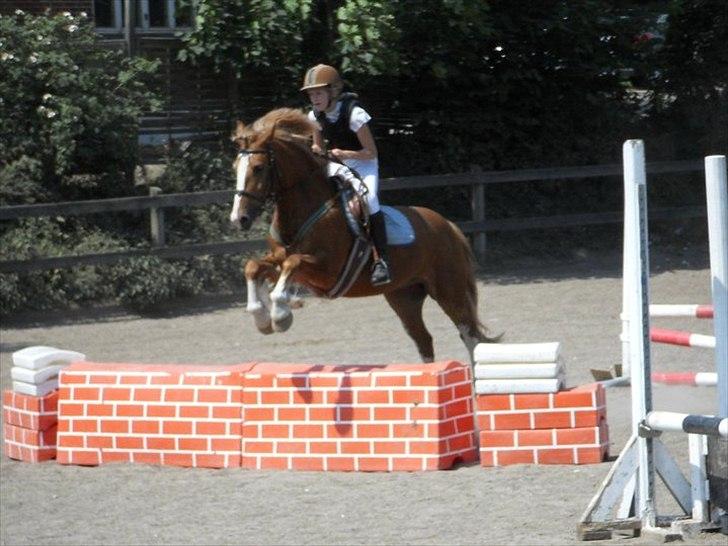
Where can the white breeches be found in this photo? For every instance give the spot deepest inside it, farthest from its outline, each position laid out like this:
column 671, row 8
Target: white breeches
column 369, row 172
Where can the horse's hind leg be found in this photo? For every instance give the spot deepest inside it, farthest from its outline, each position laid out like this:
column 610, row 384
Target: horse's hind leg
column 458, row 299
column 407, row 303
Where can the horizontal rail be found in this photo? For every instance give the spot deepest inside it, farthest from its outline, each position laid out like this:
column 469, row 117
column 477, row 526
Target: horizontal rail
column 668, row 421
column 116, row 205
column 697, row 379
column 508, row 224
column 410, row 182
column 106, row 258
column 684, row 339
column 681, row 310
column 532, row 175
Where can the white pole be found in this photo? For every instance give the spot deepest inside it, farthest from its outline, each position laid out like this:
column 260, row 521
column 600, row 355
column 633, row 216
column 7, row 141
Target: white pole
column 670, row 421
column 697, row 449
column 692, row 310
column 633, row 169
column 717, row 201
column 636, row 281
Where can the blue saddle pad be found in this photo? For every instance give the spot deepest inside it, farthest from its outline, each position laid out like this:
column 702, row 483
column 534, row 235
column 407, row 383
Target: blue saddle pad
column 399, row 228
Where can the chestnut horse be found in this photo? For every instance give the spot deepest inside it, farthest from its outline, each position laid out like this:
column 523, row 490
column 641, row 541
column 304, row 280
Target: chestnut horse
column 312, row 240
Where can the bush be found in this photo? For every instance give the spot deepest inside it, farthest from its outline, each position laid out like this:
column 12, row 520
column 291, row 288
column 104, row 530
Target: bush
column 69, row 104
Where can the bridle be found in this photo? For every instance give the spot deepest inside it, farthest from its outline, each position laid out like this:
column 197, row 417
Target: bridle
column 272, row 180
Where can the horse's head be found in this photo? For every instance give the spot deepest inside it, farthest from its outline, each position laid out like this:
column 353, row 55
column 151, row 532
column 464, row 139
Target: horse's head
column 255, row 179
column 258, row 173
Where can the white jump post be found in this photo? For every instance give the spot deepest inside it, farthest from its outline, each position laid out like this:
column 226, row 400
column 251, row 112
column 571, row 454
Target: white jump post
column 634, row 175
column 716, row 182
column 630, row 482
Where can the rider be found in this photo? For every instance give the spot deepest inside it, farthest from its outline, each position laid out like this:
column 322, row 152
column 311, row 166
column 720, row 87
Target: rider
column 345, row 125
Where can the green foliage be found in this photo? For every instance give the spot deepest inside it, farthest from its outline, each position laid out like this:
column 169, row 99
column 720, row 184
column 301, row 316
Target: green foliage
column 260, row 35
column 21, row 182
column 364, row 26
column 143, row 283
column 451, row 83
column 42, row 237
column 689, row 105
column 69, row 103
column 139, row 283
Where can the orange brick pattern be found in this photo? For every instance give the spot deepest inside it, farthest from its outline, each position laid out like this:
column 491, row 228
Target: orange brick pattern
column 363, row 418
column 160, row 414
column 568, row 427
column 29, row 426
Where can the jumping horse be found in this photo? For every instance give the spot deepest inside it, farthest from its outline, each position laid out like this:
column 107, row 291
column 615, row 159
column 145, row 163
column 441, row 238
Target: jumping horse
column 310, row 239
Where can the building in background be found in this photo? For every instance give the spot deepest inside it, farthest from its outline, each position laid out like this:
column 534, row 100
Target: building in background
column 198, row 101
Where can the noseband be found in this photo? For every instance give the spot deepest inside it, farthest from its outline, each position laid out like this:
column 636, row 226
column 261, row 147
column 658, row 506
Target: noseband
column 271, row 164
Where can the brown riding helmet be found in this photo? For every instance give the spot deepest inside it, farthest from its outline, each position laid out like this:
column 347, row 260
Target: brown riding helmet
column 323, row 75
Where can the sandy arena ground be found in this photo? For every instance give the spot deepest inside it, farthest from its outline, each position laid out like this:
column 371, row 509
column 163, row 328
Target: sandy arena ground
column 576, row 301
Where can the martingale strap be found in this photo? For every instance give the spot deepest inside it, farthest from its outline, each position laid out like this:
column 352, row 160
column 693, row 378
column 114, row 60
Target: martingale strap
column 360, row 250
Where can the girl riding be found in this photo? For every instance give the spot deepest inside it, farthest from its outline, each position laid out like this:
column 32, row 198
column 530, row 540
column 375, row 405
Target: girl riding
column 344, row 125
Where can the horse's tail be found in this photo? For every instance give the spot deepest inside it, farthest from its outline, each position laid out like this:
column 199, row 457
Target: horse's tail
column 472, row 287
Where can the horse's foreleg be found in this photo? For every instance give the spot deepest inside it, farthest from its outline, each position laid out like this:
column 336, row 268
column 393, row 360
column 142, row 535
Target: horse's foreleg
column 256, row 272
column 280, row 312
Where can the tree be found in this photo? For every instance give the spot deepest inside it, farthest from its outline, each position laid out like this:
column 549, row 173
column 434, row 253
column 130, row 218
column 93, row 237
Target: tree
column 69, row 108
column 689, row 103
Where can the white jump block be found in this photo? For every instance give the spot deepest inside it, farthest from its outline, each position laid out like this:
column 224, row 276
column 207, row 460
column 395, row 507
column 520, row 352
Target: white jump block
column 532, row 370
column 36, row 390
column 36, row 377
column 39, row 356
column 518, row 386
column 505, row 353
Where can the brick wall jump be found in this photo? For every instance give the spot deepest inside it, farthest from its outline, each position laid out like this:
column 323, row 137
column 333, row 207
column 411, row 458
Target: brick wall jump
column 266, row 415
column 567, row 427
column 29, row 426
column 365, row 418
column 159, row 414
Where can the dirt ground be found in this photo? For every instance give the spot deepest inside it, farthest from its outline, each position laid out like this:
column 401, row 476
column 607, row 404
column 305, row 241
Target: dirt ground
column 575, row 300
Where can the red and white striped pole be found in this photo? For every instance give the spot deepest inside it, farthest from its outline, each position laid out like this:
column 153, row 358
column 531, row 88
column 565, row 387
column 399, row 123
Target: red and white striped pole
column 684, row 339
column 698, row 379
column 695, row 311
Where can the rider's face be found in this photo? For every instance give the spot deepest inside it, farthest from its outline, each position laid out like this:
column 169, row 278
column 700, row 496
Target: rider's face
column 319, row 98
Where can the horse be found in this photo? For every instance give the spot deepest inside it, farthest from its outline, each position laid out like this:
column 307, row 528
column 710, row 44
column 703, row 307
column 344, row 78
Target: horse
column 310, row 240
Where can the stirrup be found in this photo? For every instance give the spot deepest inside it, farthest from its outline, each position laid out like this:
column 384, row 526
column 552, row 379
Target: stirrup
column 380, row 273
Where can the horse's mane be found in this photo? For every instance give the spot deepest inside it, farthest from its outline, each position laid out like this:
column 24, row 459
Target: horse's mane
column 288, row 121
column 283, row 124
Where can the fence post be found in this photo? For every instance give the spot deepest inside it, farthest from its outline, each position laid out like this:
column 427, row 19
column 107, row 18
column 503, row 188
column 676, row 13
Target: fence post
column 477, row 207
column 156, row 220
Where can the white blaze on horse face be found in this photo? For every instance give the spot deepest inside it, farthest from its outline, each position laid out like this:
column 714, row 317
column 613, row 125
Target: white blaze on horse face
column 241, row 168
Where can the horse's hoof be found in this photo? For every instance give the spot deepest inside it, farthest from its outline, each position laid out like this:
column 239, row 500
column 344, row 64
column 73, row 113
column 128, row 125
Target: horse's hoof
column 267, row 330
column 261, row 318
column 283, row 322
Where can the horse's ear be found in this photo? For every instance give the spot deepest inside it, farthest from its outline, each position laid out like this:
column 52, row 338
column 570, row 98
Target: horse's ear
column 238, row 134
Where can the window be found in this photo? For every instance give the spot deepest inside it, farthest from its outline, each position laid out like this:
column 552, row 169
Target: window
column 108, row 15
column 151, row 15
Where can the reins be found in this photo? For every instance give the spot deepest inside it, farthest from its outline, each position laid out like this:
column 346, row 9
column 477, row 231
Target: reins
column 310, row 222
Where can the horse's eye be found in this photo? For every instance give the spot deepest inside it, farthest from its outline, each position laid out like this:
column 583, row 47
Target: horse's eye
column 257, row 168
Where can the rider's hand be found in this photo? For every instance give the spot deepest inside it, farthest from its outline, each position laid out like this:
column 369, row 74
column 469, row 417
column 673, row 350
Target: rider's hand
column 337, row 153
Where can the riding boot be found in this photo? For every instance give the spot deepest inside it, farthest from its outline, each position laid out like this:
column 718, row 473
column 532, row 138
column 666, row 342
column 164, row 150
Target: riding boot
column 380, row 269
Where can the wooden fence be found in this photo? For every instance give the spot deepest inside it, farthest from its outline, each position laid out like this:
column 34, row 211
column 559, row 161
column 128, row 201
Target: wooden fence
column 476, row 227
